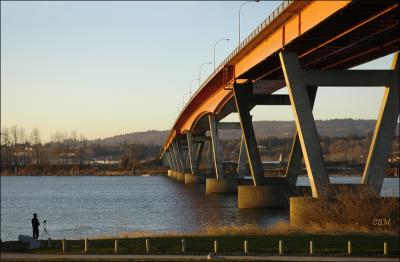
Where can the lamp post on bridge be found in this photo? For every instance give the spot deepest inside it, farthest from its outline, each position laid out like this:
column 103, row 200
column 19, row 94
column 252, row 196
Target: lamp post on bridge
column 205, row 63
column 190, row 86
column 222, row 39
column 183, row 99
column 240, row 8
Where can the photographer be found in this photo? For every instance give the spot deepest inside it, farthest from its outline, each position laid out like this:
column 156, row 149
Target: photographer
column 35, row 226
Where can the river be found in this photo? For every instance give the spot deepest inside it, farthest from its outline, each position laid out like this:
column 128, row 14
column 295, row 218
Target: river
column 78, row 207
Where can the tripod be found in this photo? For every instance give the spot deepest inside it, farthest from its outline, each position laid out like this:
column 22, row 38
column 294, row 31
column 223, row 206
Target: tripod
column 45, row 233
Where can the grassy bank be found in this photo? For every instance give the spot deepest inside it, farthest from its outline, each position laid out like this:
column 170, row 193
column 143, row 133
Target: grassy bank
column 293, row 244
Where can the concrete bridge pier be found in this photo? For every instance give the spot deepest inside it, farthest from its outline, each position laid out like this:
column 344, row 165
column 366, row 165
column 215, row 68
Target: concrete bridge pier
column 200, row 177
column 180, row 177
column 192, row 179
column 194, row 156
column 272, row 192
column 219, row 184
column 298, row 81
column 173, row 163
column 209, row 169
column 274, row 196
column 179, row 161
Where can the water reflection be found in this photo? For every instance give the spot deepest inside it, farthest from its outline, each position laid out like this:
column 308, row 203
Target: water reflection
column 77, row 207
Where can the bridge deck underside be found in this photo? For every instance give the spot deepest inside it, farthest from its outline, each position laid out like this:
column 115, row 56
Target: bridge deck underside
column 360, row 32
column 366, row 42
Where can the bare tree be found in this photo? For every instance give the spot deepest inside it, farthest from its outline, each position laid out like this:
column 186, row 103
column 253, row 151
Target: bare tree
column 35, row 136
column 35, row 141
column 5, row 148
column 14, row 134
column 82, row 149
column 74, row 145
column 22, row 135
column 5, row 136
column 14, row 141
column 73, row 135
column 59, row 139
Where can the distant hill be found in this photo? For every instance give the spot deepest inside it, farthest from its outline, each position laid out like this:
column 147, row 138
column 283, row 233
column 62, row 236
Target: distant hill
column 332, row 128
column 147, row 137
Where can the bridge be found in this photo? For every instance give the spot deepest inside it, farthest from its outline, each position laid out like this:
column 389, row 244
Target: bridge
column 304, row 46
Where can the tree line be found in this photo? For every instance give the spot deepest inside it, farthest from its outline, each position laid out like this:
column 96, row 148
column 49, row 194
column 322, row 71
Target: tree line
column 352, row 148
column 20, row 150
column 70, row 151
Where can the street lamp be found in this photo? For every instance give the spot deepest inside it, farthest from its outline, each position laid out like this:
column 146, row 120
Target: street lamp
column 205, row 63
column 223, row 39
column 240, row 8
column 183, row 99
column 190, row 86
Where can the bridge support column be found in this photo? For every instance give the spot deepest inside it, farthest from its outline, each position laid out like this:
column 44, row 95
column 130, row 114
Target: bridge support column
column 241, row 168
column 266, row 192
column 185, row 156
column 178, row 155
column 218, row 184
column 305, row 125
column 174, row 162
column 192, row 154
column 172, row 157
column 200, row 152
column 168, row 156
column 165, row 160
column 217, row 153
column 243, row 95
column 170, row 163
column 294, row 161
column 384, row 134
column 242, row 160
column 209, row 160
column 184, row 152
column 194, row 176
column 298, row 79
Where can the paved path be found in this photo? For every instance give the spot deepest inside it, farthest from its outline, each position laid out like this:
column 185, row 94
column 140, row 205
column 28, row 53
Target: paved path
column 77, row 257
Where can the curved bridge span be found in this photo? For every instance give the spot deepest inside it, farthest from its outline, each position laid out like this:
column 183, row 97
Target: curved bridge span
column 302, row 45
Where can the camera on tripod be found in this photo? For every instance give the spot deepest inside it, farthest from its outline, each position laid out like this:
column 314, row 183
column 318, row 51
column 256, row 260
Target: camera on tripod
column 45, row 232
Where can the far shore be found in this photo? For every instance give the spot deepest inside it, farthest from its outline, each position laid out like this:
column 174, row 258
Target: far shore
column 152, row 171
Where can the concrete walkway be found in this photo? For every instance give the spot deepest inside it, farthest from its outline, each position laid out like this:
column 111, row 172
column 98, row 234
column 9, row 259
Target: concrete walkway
column 60, row 257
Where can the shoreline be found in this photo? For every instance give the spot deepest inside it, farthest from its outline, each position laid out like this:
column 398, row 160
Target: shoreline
column 82, row 175
column 88, row 172
column 127, row 173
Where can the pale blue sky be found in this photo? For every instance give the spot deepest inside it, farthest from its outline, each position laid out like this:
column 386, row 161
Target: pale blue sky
column 107, row 68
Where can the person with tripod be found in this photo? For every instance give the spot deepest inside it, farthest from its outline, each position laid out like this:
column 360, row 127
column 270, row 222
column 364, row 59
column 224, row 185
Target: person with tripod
column 35, row 226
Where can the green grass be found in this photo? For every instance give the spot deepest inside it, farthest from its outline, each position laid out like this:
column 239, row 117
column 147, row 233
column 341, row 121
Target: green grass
column 294, row 244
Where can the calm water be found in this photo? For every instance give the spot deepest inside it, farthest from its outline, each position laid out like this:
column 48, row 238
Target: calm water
column 77, row 207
